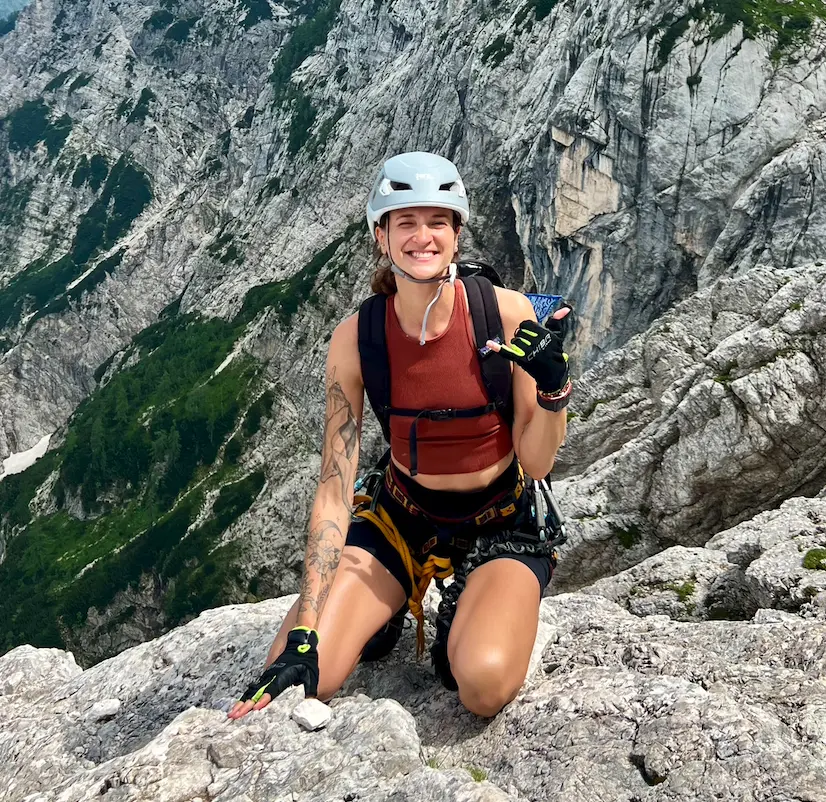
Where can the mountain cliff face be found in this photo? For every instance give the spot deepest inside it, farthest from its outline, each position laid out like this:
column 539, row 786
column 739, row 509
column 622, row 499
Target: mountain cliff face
column 181, row 195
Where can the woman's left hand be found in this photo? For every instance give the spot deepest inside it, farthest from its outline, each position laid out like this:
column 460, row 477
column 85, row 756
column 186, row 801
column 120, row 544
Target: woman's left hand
column 538, row 350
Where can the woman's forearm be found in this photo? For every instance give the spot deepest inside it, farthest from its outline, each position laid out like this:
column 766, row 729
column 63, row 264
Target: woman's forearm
column 325, row 543
column 540, row 441
column 333, row 503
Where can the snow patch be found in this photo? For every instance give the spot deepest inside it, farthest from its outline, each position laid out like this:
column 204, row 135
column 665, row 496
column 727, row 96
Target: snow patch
column 16, row 463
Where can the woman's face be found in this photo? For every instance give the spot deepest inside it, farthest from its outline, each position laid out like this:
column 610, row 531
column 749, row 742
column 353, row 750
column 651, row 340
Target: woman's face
column 422, row 240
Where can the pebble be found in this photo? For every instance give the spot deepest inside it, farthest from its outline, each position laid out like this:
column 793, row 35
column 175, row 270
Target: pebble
column 312, row 714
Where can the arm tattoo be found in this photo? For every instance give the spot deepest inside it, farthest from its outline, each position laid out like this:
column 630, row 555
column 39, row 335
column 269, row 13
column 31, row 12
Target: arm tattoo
column 340, row 439
column 322, row 558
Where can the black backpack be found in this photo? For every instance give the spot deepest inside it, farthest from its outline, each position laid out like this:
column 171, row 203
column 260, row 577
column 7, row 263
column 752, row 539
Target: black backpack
column 479, row 280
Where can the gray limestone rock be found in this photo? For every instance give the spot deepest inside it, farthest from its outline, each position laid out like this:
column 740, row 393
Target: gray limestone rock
column 621, row 707
column 732, row 423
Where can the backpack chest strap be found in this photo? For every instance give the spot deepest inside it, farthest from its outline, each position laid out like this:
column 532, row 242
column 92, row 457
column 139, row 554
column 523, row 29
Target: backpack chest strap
column 434, row 415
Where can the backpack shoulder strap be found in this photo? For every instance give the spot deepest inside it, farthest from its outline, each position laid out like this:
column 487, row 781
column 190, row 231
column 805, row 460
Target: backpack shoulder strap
column 375, row 363
column 487, row 325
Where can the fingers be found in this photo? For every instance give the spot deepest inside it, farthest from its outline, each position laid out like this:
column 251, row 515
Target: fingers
column 505, row 350
column 240, row 709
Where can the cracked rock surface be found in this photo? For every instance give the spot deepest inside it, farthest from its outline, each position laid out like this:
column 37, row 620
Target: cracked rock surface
column 625, row 701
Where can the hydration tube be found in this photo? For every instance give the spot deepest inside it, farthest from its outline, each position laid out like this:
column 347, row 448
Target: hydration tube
column 450, row 277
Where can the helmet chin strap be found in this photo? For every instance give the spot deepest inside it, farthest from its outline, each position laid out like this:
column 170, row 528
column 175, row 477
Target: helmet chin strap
column 450, row 278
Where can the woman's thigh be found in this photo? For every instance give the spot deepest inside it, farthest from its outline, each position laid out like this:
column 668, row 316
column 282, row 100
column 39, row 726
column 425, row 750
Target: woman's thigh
column 494, row 629
column 363, row 598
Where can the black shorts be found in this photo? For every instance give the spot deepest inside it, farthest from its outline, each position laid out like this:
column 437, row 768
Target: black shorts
column 426, row 535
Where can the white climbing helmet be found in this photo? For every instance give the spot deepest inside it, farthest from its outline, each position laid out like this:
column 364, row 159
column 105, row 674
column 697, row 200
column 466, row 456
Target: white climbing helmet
column 416, row 179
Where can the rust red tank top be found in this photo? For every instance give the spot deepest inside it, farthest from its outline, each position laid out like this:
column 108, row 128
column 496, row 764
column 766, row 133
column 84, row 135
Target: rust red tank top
column 443, row 373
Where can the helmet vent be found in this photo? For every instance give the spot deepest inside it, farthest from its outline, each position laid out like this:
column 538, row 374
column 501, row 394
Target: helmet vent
column 399, row 185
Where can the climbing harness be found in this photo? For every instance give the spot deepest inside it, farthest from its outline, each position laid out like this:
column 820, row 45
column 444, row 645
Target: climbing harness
column 546, row 531
column 549, row 525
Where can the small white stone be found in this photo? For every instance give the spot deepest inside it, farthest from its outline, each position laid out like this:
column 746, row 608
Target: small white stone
column 106, row 708
column 312, row 714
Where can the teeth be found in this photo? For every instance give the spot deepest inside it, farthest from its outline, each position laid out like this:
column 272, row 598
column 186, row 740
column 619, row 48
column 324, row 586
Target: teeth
column 422, row 254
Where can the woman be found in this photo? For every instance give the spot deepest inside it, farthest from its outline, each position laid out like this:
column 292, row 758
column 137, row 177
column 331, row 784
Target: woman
column 444, row 476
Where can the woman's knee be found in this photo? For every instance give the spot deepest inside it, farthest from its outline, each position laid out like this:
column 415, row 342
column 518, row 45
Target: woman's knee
column 487, row 681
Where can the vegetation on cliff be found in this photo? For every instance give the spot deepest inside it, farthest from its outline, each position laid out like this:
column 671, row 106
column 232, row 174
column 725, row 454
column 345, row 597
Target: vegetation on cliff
column 148, row 476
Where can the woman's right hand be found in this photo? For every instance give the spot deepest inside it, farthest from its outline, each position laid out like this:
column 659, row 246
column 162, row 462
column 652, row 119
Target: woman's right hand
column 296, row 665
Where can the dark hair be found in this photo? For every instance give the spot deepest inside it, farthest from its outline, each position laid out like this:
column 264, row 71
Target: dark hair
column 383, row 281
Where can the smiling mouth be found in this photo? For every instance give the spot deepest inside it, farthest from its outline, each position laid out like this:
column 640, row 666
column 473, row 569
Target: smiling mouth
column 421, row 255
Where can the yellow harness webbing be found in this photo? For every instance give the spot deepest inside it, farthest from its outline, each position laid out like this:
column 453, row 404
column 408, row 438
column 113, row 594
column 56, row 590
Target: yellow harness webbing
column 420, row 575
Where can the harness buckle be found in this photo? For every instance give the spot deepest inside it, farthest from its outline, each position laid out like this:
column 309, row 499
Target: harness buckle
column 441, row 414
column 488, row 515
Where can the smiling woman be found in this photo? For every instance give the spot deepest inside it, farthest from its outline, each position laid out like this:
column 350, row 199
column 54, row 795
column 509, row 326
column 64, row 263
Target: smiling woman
column 450, row 494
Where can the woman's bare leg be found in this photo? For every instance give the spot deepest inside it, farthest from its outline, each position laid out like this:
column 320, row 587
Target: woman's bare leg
column 492, row 635
column 363, row 598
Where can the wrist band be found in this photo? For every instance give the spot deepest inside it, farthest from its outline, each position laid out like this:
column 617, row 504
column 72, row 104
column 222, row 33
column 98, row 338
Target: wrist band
column 554, row 402
column 557, row 395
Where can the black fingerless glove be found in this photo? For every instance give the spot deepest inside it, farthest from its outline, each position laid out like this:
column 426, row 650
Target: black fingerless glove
column 538, row 351
column 296, row 665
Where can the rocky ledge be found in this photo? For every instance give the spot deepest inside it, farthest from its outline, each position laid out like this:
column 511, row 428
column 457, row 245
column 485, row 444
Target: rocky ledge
column 635, row 693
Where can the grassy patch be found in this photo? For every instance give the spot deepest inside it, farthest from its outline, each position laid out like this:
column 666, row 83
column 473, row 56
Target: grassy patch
column 287, row 295
column 57, row 81
column 479, row 775
column 306, row 37
column 257, row 10
column 179, row 31
column 17, row 491
column 815, row 560
column 628, row 536
column 318, row 142
column 160, row 19
column 93, row 171
column 31, row 124
column 497, row 51
column 94, row 277
column 14, row 198
column 125, row 194
column 141, row 109
column 786, row 25
column 260, row 409
column 82, row 80
column 684, row 592
column 303, row 117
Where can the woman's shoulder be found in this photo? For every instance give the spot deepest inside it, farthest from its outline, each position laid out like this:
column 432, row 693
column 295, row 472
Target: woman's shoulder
column 348, row 329
column 513, row 306
column 344, row 347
